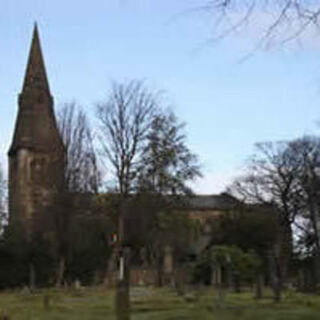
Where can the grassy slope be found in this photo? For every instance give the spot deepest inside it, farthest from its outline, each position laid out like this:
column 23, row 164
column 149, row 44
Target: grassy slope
column 95, row 304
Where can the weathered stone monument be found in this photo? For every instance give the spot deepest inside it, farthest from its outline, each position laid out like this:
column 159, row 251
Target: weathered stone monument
column 36, row 155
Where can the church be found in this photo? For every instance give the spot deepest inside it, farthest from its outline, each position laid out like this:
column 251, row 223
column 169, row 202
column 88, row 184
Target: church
column 37, row 155
column 37, row 160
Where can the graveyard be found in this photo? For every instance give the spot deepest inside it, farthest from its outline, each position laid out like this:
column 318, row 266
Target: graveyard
column 142, row 177
column 156, row 304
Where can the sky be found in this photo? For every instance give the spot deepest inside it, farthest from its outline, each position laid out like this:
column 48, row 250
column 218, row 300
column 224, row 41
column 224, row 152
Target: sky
column 227, row 104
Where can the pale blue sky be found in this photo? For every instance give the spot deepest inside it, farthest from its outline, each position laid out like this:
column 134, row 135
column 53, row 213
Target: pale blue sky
column 227, row 106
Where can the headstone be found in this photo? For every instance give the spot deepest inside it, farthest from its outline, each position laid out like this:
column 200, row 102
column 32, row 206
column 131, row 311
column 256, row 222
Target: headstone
column 168, row 260
column 46, row 301
column 25, row 290
column 190, row 297
column 77, row 284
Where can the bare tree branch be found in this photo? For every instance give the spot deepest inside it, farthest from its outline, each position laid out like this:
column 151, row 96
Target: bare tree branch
column 81, row 170
column 125, row 120
column 280, row 21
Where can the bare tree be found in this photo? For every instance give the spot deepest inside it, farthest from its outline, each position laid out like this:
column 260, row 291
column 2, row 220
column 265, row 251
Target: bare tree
column 81, row 171
column 125, row 120
column 281, row 21
column 307, row 152
column 287, row 176
column 81, row 175
column 145, row 147
column 271, row 181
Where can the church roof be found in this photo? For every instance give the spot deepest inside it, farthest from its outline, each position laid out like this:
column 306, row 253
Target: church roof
column 221, row 201
column 198, row 202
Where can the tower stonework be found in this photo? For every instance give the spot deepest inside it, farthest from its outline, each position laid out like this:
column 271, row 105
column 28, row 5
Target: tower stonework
column 36, row 155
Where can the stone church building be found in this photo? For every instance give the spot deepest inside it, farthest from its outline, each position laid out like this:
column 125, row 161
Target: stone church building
column 37, row 154
column 36, row 166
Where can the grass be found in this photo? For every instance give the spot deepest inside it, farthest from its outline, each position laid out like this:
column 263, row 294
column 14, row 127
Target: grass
column 156, row 304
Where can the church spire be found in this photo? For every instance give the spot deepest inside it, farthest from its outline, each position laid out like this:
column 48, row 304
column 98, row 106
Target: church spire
column 35, row 77
column 36, row 126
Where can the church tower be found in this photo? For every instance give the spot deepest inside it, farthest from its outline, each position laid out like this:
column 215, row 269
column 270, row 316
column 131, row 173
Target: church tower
column 36, row 155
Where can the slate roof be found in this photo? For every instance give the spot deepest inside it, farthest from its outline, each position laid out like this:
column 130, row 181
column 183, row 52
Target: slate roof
column 221, row 201
column 36, row 77
column 36, row 127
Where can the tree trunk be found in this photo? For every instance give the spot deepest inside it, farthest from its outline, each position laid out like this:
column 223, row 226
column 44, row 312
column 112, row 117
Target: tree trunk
column 283, row 253
column 219, row 287
column 275, row 277
column 122, row 302
column 159, row 270
column 32, row 276
column 259, row 286
column 110, row 269
column 230, row 278
column 236, row 282
column 61, row 271
column 316, row 271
